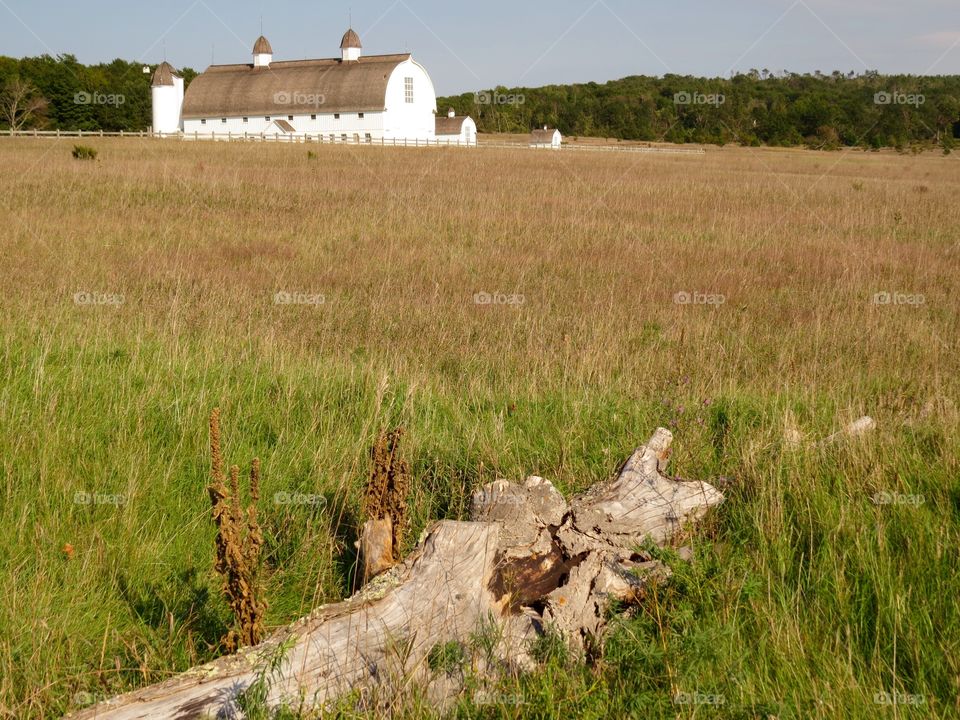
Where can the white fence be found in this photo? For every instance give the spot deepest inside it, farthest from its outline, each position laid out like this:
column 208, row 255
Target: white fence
column 338, row 140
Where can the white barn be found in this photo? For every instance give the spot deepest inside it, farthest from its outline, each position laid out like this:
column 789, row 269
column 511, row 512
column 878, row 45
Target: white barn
column 546, row 138
column 456, row 129
column 353, row 98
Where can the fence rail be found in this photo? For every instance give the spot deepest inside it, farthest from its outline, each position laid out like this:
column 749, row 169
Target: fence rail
column 326, row 140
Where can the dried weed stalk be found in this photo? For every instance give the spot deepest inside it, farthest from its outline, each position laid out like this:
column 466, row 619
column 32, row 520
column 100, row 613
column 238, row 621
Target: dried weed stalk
column 238, row 544
column 386, row 493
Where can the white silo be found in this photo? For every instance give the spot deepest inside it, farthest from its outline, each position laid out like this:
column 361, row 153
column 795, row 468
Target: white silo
column 167, row 95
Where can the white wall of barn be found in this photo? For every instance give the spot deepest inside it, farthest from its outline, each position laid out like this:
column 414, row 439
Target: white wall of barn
column 410, row 120
column 349, row 123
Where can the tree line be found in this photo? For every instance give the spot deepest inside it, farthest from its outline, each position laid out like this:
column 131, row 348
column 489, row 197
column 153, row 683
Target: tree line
column 754, row 108
column 63, row 94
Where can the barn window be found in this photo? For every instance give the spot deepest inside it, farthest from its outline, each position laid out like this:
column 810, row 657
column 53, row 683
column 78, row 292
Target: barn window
column 223, row 120
column 290, row 117
column 360, row 115
column 313, row 117
column 267, row 118
column 203, row 121
column 246, row 119
column 408, row 89
column 336, row 116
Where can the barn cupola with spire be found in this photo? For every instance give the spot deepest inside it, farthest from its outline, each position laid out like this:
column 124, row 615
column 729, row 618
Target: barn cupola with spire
column 262, row 53
column 350, row 47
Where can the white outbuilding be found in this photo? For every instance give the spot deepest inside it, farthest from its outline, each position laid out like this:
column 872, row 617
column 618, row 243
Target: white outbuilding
column 456, row 129
column 352, row 98
column 166, row 94
column 546, row 138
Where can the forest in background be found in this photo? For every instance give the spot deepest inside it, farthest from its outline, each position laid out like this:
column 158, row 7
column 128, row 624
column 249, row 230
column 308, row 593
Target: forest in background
column 759, row 107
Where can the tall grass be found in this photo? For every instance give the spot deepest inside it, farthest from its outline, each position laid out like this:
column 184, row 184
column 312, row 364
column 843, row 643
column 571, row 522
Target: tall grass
column 142, row 293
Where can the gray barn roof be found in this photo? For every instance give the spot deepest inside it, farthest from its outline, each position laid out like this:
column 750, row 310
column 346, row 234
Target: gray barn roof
column 292, row 87
column 262, row 46
column 450, row 125
column 163, row 75
column 350, row 40
column 543, row 136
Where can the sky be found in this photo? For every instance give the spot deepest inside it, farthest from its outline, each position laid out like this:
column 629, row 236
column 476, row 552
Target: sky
column 468, row 45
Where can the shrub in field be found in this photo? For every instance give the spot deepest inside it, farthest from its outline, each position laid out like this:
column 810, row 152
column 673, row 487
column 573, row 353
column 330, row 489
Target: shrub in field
column 83, row 152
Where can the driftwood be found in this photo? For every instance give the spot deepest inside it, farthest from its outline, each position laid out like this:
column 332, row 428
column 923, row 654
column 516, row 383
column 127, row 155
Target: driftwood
column 528, row 561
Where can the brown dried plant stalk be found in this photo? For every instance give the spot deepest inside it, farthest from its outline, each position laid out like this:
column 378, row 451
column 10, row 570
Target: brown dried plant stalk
column 238, row 544
column 386, row 492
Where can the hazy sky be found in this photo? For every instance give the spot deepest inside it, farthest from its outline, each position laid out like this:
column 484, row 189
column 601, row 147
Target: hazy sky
column 469, row 45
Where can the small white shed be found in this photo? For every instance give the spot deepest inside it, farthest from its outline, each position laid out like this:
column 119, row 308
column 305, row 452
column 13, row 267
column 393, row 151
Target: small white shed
column 456, row 129
column 546, row 138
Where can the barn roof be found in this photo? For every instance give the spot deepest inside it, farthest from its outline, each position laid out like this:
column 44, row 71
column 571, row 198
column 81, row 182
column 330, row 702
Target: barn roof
column 164, row 75
column 544, row 135
column 450, row 125
column 262, row 46
column 350, row 40
column 284, row 125
column 292, row 86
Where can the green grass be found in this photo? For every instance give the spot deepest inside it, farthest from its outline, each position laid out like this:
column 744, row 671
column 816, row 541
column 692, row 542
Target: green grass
column 805, row 598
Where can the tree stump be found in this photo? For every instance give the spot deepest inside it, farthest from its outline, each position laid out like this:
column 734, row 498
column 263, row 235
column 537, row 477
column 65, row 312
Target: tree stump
column 527, row 561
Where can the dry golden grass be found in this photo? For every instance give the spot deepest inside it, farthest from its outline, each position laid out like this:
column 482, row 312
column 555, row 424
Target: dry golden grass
column 198, row 238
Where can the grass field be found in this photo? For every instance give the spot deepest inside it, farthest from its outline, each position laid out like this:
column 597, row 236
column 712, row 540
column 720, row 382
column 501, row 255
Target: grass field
column 141, row 292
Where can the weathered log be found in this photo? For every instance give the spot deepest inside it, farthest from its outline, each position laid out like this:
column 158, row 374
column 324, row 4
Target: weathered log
column 527, row 561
